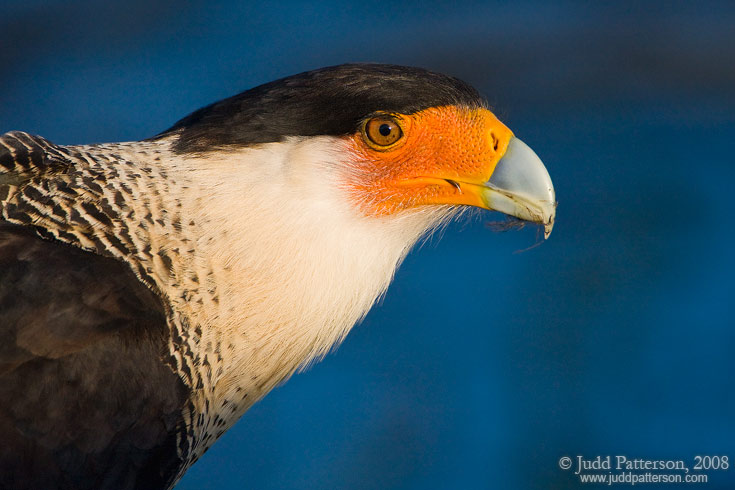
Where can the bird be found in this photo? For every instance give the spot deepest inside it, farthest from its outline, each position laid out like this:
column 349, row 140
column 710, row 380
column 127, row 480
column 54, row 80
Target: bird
column 152, row 291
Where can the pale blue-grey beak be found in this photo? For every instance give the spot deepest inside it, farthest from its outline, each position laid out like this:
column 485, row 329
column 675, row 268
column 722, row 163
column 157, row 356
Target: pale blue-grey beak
column 520, row 186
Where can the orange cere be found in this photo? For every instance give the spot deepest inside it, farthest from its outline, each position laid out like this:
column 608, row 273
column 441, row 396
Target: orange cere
column 438, row 145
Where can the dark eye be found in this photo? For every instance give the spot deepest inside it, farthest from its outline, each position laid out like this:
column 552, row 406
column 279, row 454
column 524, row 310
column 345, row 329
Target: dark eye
column 383, row 131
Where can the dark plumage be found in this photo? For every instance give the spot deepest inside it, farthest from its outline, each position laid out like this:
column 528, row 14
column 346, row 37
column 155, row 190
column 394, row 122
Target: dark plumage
column 85, row 402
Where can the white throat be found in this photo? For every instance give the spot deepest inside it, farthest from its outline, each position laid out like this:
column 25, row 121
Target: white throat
column 285, row 264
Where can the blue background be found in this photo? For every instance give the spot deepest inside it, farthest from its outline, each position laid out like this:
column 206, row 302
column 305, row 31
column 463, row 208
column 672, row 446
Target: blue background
column 483, row 365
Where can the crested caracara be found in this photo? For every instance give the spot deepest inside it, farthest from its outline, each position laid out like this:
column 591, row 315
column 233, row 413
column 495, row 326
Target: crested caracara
column 152, row 291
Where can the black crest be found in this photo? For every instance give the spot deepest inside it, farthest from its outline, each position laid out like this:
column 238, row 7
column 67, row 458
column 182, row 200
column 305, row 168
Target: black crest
column 328, row 101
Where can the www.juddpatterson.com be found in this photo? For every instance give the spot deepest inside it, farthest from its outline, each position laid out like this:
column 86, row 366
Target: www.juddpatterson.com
column 610, row 470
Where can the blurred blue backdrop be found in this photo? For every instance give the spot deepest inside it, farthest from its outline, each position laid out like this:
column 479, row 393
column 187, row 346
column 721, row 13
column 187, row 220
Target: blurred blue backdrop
column 483, row 366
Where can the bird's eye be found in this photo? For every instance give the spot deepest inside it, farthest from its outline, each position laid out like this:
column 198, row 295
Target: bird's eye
column 383, row 131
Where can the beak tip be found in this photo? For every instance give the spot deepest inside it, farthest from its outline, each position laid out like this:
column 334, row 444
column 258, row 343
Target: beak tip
column 548, row 226
column 549, row 221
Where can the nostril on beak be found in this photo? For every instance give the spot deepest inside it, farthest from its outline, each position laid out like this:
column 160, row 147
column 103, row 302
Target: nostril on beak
column 496, row 142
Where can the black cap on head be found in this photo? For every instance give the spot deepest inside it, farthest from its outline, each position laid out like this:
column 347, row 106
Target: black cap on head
column 328, row 101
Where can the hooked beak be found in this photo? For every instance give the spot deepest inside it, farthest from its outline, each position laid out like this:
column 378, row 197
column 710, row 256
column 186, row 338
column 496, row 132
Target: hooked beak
column 520, row 186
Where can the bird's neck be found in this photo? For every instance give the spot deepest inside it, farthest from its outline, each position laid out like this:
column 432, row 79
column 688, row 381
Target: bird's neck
column 267, row 267
column 284, row 266
column 261, row 260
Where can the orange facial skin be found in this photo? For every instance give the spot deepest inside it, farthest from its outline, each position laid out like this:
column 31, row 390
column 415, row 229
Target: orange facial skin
column 439, row 145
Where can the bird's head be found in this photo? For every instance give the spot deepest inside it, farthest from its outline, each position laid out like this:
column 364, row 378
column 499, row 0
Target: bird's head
column 311, row 189
column 408, row 138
